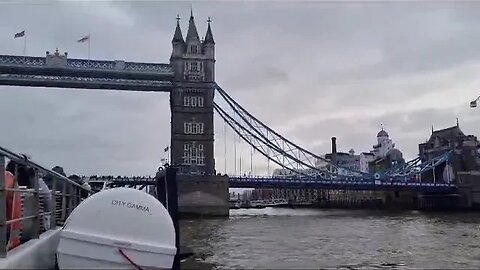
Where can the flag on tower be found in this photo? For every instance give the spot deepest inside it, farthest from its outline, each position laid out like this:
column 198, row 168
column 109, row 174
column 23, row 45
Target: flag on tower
column 83, row 39
column 19, row 34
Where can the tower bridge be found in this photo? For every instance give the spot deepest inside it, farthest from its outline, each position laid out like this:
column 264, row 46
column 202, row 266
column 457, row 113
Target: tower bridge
column 189, row 78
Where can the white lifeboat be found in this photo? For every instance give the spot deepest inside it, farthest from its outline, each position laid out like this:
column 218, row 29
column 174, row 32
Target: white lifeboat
column 119, row 228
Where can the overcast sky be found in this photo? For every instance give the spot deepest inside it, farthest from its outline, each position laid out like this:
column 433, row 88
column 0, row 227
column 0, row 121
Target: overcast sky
column 310, row 70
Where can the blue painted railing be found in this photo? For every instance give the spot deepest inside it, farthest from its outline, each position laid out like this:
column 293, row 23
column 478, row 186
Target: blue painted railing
column 340, row 184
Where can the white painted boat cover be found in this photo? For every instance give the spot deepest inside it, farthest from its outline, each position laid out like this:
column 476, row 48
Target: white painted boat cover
column 116, row 221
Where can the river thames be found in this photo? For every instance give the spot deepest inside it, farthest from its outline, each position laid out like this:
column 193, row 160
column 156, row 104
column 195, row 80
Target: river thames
column 282, row 238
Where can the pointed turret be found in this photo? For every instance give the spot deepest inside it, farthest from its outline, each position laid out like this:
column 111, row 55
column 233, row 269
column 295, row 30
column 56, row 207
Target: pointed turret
column 178, row 44
column 209, row 35
column 178, row 37
column 209, row 43
column 192, row 33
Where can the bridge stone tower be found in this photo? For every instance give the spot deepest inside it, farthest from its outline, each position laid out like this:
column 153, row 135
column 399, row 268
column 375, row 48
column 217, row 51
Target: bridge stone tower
column 192, row 131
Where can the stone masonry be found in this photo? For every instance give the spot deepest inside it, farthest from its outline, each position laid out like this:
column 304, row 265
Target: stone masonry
column 192, row 132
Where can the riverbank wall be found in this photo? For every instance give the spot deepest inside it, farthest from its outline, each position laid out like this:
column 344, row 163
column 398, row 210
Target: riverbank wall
column 467, row 199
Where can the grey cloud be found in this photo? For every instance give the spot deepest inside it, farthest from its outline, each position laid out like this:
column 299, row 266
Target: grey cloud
column 407, row 129
column 258, row 77
column 310, row 70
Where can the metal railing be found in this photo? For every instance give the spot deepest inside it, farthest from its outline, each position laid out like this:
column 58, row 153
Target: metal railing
column 47, row 200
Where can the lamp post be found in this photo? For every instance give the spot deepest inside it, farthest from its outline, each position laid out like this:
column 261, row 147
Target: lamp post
column 473, row 103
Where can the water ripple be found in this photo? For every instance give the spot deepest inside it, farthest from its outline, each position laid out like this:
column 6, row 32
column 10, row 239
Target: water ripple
column 338, row 239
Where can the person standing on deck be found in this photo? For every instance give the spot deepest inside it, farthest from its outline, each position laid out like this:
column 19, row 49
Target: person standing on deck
column 46, row 196
column 14, row 207
column 24, row 178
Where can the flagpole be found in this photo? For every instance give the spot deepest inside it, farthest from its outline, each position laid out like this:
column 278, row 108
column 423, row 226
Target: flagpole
column 88, row 46
column 24, row 45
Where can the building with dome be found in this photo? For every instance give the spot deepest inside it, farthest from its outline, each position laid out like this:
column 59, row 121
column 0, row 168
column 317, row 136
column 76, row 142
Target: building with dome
column 384, row 144
column 384, row 154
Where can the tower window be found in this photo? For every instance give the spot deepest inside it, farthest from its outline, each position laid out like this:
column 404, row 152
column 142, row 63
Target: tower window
column 193, row 128
column 194, row 154
column 194, row 66
column 192, row 101
column 187, row 128
column 186, row 101
column 193, row 49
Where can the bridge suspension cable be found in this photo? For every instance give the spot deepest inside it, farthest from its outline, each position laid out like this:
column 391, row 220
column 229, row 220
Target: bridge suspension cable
column 255, row 141
column 296, row 159
column 274, row 146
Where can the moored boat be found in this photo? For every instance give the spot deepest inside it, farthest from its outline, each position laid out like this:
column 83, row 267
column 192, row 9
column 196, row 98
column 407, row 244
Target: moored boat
column 258, row 204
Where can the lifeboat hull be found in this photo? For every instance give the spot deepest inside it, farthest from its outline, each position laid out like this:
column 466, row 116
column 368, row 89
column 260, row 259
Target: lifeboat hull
column 118, row 228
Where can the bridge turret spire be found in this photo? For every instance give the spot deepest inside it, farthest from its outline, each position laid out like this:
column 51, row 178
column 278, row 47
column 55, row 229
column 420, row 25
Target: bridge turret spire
column 209, row 35
column 178, row 43
column 178, row 37
column 192, row 34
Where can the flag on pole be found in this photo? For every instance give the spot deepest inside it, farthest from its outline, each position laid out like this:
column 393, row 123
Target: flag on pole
column 85, row 38
column 166, row 149
column 19, row 34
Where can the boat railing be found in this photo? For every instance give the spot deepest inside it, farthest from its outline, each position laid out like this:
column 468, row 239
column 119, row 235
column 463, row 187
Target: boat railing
column 44, row 205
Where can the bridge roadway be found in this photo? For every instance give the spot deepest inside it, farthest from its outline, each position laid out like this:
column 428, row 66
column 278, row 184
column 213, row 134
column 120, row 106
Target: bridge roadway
column 360, row 184
column 308, row 182
column 57, row 70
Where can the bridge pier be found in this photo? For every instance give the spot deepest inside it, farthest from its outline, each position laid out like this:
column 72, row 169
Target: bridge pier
column 469, row 189
column 400, row 199
column 202, row 195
